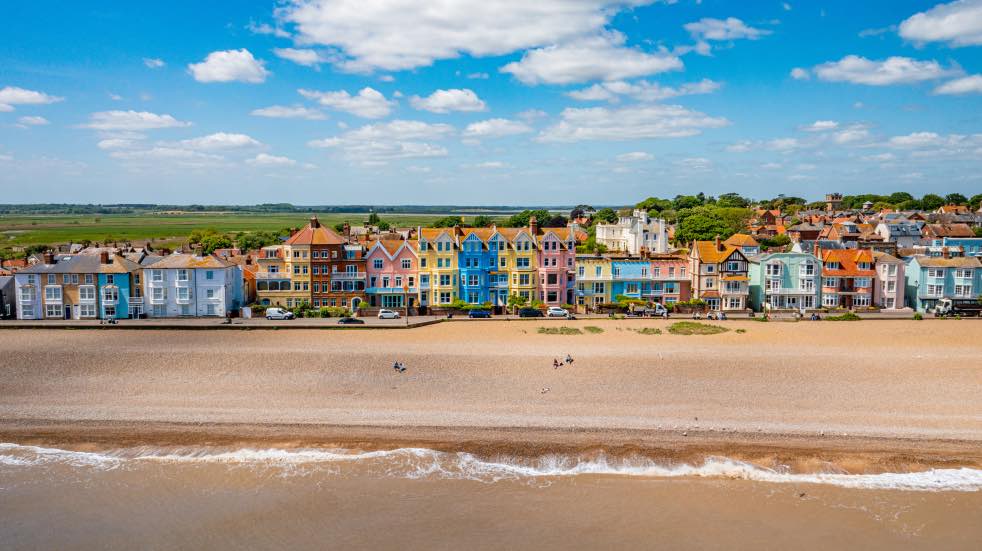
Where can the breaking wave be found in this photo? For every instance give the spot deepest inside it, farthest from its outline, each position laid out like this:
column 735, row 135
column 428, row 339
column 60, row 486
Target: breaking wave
column 427, row 463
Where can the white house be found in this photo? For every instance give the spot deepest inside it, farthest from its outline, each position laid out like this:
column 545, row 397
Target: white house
column 633, row 233
column 187, row 285
column 904, row 234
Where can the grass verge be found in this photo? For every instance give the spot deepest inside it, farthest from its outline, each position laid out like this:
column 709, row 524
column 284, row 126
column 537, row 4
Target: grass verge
column 693, row 328
column 559, row 331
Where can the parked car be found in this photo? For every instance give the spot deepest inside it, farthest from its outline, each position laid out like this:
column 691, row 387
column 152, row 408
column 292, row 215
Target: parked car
column 279, row 314
column 350, row 321
column 388, row 314
column 530, row 313
column 557, row 312
column 479, row 313
column 657, row 310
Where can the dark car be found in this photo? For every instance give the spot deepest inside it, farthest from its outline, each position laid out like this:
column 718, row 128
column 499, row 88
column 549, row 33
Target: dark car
column 350, row 320
column 479, row 314
column 530, row 313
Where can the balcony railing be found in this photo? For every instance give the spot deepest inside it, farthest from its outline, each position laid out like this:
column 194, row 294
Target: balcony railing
column 347, row 275
column 272, row 275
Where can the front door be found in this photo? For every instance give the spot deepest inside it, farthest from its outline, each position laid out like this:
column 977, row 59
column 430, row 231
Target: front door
column 68, row 312
column 793, row 303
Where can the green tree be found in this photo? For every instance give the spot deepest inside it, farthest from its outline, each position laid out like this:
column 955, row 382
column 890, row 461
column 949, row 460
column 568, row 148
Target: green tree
column 700, row 227
column 448, row 222
column 978, row 231
column 899, row 197
column 521, row 219
column 483, row 221
column 210, row 243
column 955, row 199
column 975, row 201
column 605, row 216
column 256, row 240
column 198, row 235
column 931, row 201
column 383, row 225
column 373, row 219
column 687, row 202
column 732, row 200
column 654, row 204
column 516, row 301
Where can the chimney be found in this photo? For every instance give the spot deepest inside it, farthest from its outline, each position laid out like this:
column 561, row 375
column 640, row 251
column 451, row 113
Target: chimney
column 533, row 226
column 248, row 260
column 314, row 222
column 815, row 249
column 347, row 230
column 104, row 257
column 716, row 241
column 48, row 258
column 945, row 253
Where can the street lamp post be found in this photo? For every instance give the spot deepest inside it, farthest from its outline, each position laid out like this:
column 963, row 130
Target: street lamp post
column 405, row 300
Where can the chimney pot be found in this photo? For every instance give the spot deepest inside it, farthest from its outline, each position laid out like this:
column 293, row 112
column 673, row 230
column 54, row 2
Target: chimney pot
column 533, row 226
column 48, row 258
column 104, row 257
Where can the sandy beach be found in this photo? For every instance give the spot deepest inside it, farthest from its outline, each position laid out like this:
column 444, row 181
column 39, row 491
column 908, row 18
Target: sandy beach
column 879, row 393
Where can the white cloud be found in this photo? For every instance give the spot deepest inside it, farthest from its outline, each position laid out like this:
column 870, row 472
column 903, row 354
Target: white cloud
column 307, row 58
column 916, row 139
column 12, row 95
column 957, row 23
column 800, row 74
column 491, row 165
column 530, row 115
column 821, row 126
column 695, row 164
column 479, row 76
column 730, row 28
column 164, row 154
column 266, row 28
column 132, row 120
column 893, row 70
column 219, row 141
column 602, row 57
column 264, row 159
column 740, row 147
column 228, row 66
column 635, row 156
column 629, row 123
column 369, row 103
column 641, row 91
column 495, row 128
column 398, row 34
column 288, row 112
column 153, row 62
column 966, row 85
column 115, row 97
column 381, row 143
column 783, row 145
column 445, row 101
column 116, row 143
column 32, row 121
column 853, row 133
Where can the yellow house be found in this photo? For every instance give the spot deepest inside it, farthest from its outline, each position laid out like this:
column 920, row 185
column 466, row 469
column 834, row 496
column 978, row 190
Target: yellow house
column 274, row 284
column 594, row 276
column 437, row 251
column 520, row 262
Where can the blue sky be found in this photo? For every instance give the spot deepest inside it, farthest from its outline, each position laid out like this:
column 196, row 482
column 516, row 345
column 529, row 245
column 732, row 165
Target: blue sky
column 486, row 101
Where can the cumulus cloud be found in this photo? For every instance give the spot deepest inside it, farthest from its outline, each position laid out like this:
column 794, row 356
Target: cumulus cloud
column 153, row 62
column 266, row 28
column 288, row 112
column 893, row 70
column 854, row 133
column 710, row 29
column 264, row 159
column 800, row 74
column 132, row 120
column 965, row 85
column 116, row 143
column 381, row 143
column 229, row 66
column 396, row 35
column 445, row 101
column 307, row 58
column 635, row 156
column 956, row 23
column 495, row 128
column 369, row 103
column 12, row 95
column 602, row 57
column 641, row 91
column 629, row 123
column 32, row 121
column 821, row 126
column 219, row 141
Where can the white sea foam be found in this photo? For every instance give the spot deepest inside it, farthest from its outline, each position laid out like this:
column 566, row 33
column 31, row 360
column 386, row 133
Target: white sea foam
column 427, row 463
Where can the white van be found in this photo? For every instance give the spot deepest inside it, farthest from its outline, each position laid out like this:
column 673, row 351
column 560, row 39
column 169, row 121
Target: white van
column 279, row 314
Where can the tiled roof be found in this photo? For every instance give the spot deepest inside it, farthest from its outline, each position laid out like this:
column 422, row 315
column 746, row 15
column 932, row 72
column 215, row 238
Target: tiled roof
column 742, row 240
column 708, row 252
column 849, row 259
column 948, row 230
column 191, row 261
column 956, row 262
column 315, row 234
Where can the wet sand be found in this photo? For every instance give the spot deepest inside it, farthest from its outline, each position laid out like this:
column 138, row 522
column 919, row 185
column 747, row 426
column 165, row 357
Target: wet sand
column 869, row 396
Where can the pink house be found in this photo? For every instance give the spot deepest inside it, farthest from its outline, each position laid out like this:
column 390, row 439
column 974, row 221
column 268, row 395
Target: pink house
column 888, row 288
column 669, row 278
column 391, row 269
column 557, row 263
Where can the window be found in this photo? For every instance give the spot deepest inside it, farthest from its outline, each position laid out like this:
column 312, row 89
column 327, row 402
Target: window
column 808, row 301
column 473, row 298
column 398, row 281
column 710, row 283
column 644, row 271
column 209, row 274
column 86, row 311
column 444, row 280
column 182, row 275
column 157, row 294
column 773, row 269
column 830, row 300
column 296, row 269
column 407, row 264
column 183, row 294
column 52, row 294
column 89, row 279
column 864, row 265
column 159, row 311
column 302, row 268
column 185, row 309
column 66, row 279
column 473, row 280
column 806, row 284
column 412, row 281
column 522, row 262
column 503, row 262
column 423, row 246
column 830, row 282
column 964, row 274
column 631, row 288
column 316, row 270
column 524, row 279
column 74, row 279
column 861, row 300
column 52, row 311
column 963, row 290
column 598, row 271
column 51, row 279
column 808, row 269
column 156, row 276
column 385, row 281
column 891, row 286
column 422, row 262
column 710, row 268
column 444, row 297
column 110, row 295
column 734, row 303
column 935, row 290
column 26, row 294
column 935, row 272
column 86, row 293
column 861, row 282
column 580, row 271
column 377, row 263
column 833, row 266
column 732, row 266
column 552, row 296
column 27, row 311
column 210, row 310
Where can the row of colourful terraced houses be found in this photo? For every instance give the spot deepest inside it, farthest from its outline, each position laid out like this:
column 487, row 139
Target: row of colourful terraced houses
column 429, row 269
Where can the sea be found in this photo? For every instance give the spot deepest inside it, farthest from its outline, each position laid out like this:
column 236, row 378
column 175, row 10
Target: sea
column 414, row 498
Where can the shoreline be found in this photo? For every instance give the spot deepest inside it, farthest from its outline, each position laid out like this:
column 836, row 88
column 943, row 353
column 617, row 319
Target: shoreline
column 797, row 452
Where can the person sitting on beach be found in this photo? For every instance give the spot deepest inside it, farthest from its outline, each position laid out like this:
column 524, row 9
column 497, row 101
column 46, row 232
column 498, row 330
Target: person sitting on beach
column 402, row 367
column 555, row 363
column 569, row 359
column 396, row 366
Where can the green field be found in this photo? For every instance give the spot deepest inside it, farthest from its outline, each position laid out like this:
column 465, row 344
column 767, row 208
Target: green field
column 165, row 229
